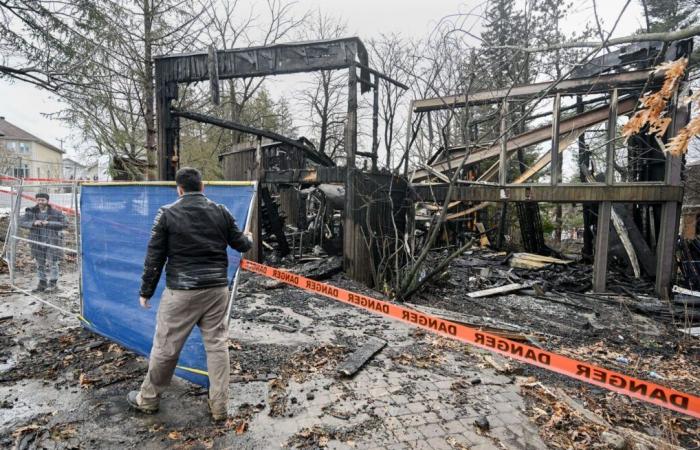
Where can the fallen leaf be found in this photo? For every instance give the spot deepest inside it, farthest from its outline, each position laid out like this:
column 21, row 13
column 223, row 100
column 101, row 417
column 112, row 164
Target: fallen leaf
column 242, row 427
column 84, row 380
column 175, row 435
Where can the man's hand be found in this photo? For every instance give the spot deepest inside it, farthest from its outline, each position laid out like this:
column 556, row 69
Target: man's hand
column 144, row 302
column 44, row 222
column 249, row 235
column 38, row 223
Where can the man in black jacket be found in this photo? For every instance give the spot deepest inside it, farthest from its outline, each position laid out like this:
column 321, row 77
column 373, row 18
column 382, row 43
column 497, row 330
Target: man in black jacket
column 192, row 235
column 45, row 225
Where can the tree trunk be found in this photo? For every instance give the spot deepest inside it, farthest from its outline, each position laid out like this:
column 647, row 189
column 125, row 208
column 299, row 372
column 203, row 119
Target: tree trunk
column 149, row 93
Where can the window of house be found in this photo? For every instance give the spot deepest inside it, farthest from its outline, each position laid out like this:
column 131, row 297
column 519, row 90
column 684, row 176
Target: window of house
column 24, row 147
column 10, row 145
column 21, row 171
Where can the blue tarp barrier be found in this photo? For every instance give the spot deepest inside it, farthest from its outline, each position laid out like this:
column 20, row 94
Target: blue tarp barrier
column 115, row 226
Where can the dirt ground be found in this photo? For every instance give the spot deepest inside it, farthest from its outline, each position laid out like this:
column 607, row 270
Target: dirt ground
column 63, row 387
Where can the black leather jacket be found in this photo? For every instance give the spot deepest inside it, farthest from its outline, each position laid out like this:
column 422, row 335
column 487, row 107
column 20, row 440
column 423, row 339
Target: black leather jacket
column 192, row 234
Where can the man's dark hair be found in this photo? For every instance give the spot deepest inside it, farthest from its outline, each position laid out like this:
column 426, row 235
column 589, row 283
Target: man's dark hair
column 189, row 179
column 42, row 195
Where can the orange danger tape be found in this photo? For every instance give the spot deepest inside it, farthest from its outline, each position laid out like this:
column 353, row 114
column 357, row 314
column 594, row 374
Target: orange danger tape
column 599, row 376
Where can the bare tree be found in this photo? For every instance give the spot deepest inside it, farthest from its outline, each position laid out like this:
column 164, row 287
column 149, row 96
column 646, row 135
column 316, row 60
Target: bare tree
column 39, row 39
column 324, row 95
column 239, row 24
column 389, row 54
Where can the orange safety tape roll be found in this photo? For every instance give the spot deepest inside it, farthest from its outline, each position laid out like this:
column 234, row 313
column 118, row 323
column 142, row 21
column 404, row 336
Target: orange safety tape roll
column 614, row 381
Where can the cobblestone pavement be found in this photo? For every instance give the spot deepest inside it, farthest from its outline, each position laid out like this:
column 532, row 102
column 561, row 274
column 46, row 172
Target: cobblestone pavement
column 419, row 392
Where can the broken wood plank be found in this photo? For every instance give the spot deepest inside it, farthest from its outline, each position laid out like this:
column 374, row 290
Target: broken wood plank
column 435, row 173
column 692, row 331
column 471, row 210
column 435, row 207
column 483, row 239
column 497, row 290
column 684, row 291
column 359, row 357
column 578, row 408
column 531, row 261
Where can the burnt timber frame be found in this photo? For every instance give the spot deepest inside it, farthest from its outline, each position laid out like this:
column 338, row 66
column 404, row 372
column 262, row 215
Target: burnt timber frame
column 278, row 59
column 669, row 192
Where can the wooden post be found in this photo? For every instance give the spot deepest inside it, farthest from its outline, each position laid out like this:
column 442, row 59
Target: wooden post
column 503, row 174
column 375, row 123
column 503, row 159
column 168, row 129
column 555, row 165
column 600, row 262
column 350, row 227
column 213, row 68
column 584, row 162
column 610, row 148
column 256, row 253
column 670, row 211
column 409, row 132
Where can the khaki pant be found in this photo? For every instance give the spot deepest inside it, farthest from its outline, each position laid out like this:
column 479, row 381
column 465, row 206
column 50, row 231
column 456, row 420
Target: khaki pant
column 178, row 313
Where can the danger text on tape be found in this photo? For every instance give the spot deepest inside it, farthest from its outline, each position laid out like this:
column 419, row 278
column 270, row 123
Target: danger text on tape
column 599, row 376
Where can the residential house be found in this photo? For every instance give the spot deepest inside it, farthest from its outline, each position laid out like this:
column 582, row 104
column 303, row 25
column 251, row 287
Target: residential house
column 99, row 170
column 73, row 170
column 27, row 156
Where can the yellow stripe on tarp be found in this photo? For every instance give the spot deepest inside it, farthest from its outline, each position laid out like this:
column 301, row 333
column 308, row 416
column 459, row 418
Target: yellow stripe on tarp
column 164, row 183
column 197, row 371
column 84, row 319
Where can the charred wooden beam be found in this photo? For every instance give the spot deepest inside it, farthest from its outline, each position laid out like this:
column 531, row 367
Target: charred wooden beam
column 268, row 60
column 602, row 83
column 670, row 211
column 359, row 357
column 384, row 77
column 563, row 193
column 318, row 175
column 602, row 239
column 312, row 154
column 572, row 125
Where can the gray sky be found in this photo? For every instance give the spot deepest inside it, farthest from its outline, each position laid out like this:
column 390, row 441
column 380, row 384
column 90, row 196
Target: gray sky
column 26, row 106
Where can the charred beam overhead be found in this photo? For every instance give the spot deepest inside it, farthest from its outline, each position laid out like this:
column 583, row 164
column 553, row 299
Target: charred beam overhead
column 231, row 125
column 638, row 55
column 563, row 193
column 318, row 175
column 593, row 85
column 574, row 125
column 277, row 59
column 383, row 76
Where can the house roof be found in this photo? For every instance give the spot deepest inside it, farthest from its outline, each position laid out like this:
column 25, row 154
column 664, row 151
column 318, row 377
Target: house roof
column 11, row 131
column 71, row 160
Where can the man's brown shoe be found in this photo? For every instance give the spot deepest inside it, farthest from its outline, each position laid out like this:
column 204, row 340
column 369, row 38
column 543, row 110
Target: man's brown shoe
column 217, row 414
column 133, row 399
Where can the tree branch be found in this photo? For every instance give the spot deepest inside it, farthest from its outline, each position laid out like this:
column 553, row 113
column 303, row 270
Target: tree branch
column 645, row 37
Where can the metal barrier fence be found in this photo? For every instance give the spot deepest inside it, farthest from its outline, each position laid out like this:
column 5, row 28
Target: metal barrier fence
column 42, row 242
